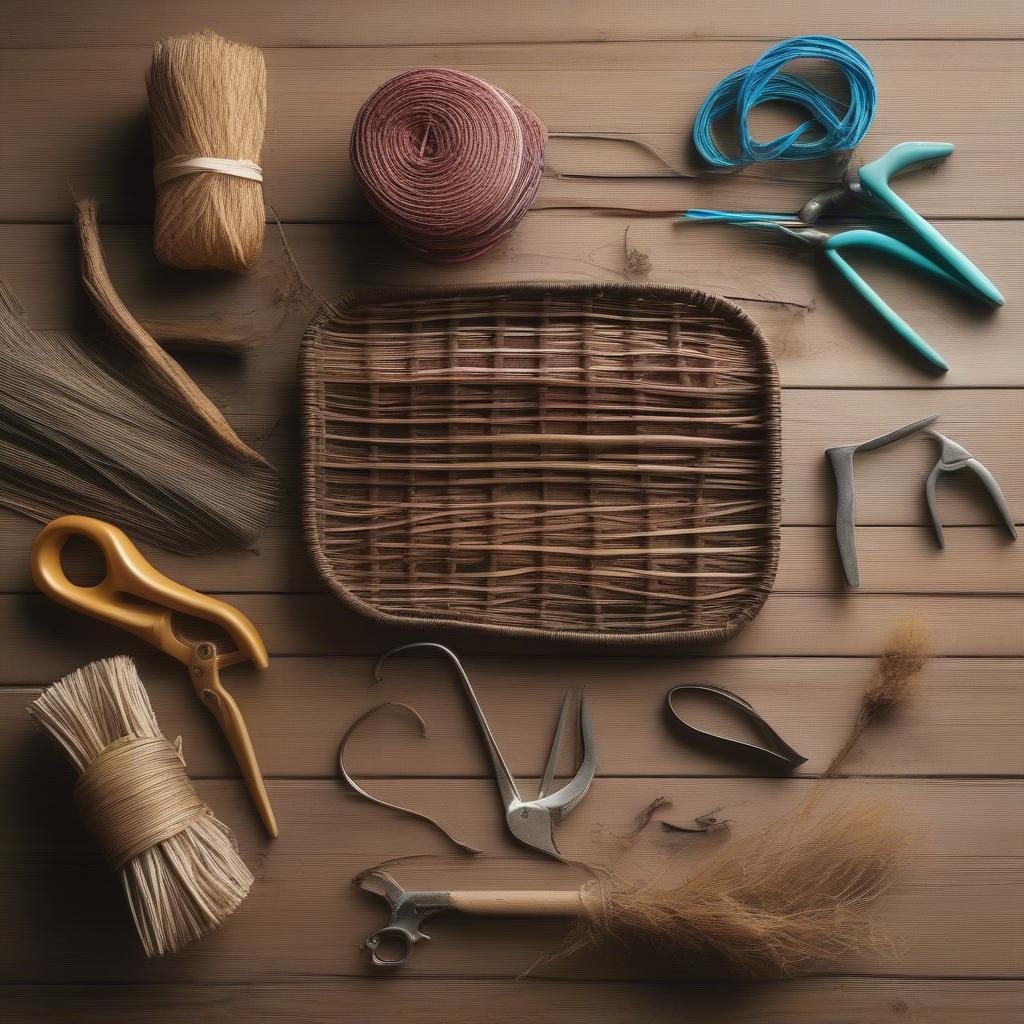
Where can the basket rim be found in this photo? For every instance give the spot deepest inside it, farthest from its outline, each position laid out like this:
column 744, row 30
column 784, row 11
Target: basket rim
column 311, row 384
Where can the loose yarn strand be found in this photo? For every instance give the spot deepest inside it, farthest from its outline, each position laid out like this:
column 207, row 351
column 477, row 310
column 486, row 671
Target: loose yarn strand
column 842, row 123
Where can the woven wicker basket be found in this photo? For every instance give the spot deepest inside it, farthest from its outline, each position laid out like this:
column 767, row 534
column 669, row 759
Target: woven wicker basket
column 597, row 463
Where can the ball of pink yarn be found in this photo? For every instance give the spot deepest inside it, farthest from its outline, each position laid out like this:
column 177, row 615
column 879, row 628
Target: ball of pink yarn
column 448, row 161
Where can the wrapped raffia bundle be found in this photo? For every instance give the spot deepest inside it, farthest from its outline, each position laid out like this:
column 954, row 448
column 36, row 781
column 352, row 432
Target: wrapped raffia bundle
column 114, row 428
column 208, row 111
column 178, row 864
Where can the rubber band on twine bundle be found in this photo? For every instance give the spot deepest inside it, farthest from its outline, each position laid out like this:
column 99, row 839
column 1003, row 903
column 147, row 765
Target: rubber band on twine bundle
column 449, row 162
column 842, row 123
column 179, row 166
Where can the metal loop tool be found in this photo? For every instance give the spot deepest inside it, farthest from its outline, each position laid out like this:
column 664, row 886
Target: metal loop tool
column 776, row 752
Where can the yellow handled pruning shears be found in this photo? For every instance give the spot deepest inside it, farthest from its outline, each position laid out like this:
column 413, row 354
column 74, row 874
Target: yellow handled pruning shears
column 141, row 600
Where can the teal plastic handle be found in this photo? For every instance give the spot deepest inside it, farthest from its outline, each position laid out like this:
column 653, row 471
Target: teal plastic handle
column 866, row 292
column 733, row 216
column 875, row 178
column 893, row 248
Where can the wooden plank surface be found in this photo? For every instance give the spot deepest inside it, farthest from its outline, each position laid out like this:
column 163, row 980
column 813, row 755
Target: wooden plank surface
column 72, row 100
column 353, row 23
column 833, row 342
column 458, row 1001
column 893, row 560
column 315, row 625
column 965, row 720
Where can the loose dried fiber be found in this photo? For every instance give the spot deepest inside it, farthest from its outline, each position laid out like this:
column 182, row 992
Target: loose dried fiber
column 906, row 652
column 597, row 463
column 449, row 162
column 179, row 865
column 793, row 897
column 114, row 428
column 208, row 98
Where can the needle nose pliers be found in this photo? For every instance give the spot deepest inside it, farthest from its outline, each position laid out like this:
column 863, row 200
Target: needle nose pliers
column 940, row 260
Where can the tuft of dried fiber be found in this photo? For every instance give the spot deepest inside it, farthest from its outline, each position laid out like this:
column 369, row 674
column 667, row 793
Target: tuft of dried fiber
column 905, row 653
column 793, row 897
column 178, row 864
column 208, row 112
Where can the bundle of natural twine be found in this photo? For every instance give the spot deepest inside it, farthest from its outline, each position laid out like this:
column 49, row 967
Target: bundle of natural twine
column 208, row 110
column 179, row 865
column 449, row 162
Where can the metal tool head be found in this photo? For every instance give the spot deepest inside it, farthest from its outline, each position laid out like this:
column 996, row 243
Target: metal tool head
column 954, row 457
column 817, row 206
column 532, row 822
column 409, row 910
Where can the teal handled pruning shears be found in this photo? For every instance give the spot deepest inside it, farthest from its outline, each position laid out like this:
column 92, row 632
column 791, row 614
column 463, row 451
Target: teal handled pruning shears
column 950, row 266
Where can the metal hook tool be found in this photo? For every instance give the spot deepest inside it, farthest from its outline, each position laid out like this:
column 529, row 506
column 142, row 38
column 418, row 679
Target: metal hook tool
column 530, row 821
column 356, row 788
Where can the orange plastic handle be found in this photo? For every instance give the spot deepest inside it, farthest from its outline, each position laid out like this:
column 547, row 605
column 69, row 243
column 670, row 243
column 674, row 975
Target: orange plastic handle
column 128, row 573
column 150, row 617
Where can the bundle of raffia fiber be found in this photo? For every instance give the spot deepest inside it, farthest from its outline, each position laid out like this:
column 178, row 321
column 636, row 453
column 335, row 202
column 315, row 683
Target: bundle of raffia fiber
column 793, row 897
column 114, row 428
column 179, row 866
column 208, row 111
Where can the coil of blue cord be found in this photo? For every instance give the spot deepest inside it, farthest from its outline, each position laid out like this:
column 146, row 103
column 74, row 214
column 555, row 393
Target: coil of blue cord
column 841, row 123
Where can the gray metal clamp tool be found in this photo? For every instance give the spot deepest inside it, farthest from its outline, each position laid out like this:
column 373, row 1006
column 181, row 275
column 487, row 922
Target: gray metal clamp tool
column 954, row 457
column 841, row 460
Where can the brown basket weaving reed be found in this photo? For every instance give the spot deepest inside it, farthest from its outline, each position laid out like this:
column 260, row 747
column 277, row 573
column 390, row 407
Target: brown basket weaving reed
column 589, row 462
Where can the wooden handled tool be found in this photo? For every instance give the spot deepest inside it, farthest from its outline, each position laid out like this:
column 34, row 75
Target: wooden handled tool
column 410, row 909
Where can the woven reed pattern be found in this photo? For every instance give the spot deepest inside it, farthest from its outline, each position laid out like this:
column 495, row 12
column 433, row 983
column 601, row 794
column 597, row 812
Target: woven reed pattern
column 595, row 462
